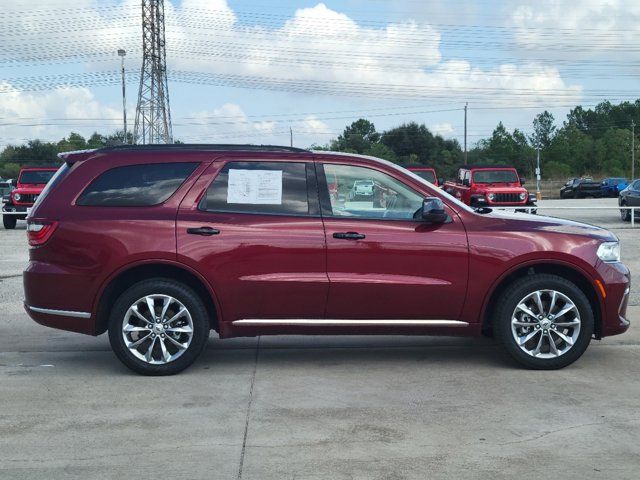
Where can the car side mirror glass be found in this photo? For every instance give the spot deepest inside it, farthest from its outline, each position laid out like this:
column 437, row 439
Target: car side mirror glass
column 433, row 210
column 466, row 182
column 523, row 181
column 441, row 181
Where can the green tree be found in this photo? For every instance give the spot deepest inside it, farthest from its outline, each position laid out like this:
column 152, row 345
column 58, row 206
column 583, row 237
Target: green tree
column 507, row 148
column 543, row 130
column 357, row 137
column 574, row 148
column 9, row 170
column 380, row 150
column 74, row 141
column 96, row 141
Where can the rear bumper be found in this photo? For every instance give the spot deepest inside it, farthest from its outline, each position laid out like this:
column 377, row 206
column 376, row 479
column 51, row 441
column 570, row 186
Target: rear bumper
column 48, row 302
column 616, row 279
column 60, row 319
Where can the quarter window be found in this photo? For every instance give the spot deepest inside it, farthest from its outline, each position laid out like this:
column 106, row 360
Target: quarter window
column 366, row 193
column 259, row 187
column 136, row 185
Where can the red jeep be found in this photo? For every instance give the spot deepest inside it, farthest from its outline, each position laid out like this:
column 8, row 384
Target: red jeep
column 31, row 182
column 490, row 186
column 159, row 244
column 428, row 173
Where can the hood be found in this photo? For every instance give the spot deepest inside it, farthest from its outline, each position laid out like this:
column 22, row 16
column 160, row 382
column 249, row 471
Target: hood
column 539, row 223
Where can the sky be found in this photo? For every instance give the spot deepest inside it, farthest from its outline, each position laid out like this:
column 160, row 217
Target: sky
column 253, row 71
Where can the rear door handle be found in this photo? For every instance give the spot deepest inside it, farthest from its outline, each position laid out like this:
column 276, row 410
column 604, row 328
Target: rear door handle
column 205, row 231
column 349, row 235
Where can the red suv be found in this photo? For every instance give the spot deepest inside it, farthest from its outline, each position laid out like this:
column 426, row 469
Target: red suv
column 31, row 182
column 490, row 186
column 160, row 244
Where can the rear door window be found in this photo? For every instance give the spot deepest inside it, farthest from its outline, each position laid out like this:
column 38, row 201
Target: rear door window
column 136, row 185
column 277, row 188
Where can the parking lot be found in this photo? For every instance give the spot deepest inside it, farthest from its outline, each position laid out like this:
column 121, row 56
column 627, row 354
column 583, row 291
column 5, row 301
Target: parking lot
column 317, row 407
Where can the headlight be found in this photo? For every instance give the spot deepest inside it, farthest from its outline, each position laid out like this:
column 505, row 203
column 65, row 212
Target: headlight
column 523, row 196
column 491, row 196
column 16, row 197
column 609, row 252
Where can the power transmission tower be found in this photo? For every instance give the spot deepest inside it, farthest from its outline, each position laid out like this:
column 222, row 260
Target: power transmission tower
column 153, row 117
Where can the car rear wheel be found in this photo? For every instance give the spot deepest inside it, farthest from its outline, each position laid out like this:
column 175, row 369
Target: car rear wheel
column 158, row 327
column 544, row 321
column 9, row 221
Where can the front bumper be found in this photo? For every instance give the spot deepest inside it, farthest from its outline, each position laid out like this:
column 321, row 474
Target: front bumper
column 11, row 209
column 616, row 280
column 482, row 201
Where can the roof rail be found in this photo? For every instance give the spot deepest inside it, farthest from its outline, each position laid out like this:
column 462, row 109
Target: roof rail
column 229, row 147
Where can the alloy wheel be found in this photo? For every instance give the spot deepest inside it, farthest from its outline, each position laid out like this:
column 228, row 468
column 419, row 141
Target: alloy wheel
column 157, row 329
column 545, row 324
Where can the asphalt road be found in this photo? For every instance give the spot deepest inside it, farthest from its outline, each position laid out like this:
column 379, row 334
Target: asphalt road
column 315, row 407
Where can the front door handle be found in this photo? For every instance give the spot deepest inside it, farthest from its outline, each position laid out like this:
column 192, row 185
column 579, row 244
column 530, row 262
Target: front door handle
column 205, row 231
column 349, row 235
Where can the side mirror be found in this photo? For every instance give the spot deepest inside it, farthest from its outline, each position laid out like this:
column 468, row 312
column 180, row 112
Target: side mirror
column 433, row 210
column 466, row 182
column 523, row 181
column 441, row 181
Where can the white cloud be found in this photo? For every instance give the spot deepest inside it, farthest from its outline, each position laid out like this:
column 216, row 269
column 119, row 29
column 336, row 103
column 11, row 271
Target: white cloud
column 578, row 29
column 53, row 115
column 444, row 129
column 229, row 123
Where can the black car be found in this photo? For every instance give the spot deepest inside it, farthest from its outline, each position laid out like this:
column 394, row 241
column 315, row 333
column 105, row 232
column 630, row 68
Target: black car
column 629, row 197
column 580, row 188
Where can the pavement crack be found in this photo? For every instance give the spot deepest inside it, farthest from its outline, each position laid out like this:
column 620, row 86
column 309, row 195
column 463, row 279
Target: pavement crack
column 551, row 432
column 6, row 277
column 248, row 416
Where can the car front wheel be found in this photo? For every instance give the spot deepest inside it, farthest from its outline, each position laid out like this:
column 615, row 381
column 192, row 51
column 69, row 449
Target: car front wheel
column 158, row 327
column 9, row 221
column 544, row 321
column 625, row 214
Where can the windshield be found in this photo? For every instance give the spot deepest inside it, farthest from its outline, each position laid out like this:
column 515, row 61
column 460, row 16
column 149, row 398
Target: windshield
column 36, row 176
column 428, row 175
column 495, row 176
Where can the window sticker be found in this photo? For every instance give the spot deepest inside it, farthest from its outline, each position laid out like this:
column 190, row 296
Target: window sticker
column 257, row 187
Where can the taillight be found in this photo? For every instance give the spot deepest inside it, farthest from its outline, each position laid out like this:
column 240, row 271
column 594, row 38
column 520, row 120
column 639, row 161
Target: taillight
column 39, row 231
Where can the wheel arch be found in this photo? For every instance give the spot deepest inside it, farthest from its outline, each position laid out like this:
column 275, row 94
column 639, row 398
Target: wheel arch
column 570, row 272
column 131, row 274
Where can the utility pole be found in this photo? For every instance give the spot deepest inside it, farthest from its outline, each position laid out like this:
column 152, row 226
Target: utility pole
column 538, row 194
column 633, row 150
column 466, row 105
column 291, row 135
column 153, row 116
column 121, row 54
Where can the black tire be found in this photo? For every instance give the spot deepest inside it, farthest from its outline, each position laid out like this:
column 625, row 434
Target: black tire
column 625, row 215
column 159, row 286
column 9, row 221
column 519, row 290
